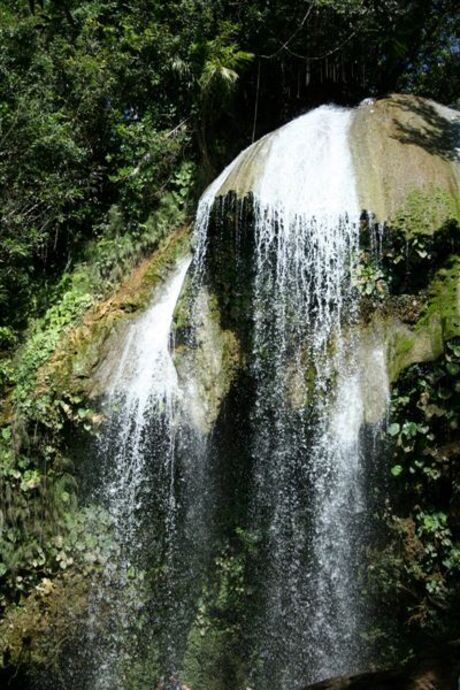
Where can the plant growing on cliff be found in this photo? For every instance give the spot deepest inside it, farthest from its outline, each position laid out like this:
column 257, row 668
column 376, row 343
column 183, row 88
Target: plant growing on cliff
column 421, row 565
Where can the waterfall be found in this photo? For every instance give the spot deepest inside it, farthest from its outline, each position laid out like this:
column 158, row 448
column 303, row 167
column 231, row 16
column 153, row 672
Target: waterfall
column 308, row 419
column 137, row 454
column 306, row 232
column 303, row 430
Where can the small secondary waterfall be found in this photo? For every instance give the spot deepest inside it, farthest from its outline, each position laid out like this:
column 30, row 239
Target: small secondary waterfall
column 137, row 450
column 308, row 418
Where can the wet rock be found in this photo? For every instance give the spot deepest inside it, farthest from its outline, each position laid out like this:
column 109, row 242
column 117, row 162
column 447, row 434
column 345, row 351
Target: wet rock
column 436, row 671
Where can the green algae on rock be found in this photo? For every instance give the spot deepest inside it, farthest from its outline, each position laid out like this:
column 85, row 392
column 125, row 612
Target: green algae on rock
column 439, row 321
column 405, row 156
column 79, row 363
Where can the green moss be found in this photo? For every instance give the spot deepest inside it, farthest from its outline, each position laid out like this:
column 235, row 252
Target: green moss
column 216, row 657
column 425, row 213
column 407, row 346
column 439, row 321
column 444, row 301
column 212, row 661
column 182, row 314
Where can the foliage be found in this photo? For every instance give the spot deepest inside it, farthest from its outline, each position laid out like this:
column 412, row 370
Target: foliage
column 369, row 279
column 397, row 260
column 75, row 141
column 222, row 63
column 41, row 530
column 100, row 102
column 112, row 116
column 421, row 565
column 77, row 539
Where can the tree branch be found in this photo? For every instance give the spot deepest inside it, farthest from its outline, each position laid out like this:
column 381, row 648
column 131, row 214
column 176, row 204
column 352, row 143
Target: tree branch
column 291, row 38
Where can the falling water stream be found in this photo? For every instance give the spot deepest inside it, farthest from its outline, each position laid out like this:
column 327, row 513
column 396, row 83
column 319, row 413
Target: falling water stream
column 308, row 417
column 311, row 426
column 306, row 233
column 137, row 450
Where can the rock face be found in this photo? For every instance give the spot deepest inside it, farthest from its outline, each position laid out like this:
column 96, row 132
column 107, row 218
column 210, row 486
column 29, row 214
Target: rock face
column 405, row 149
column 407, row 166
column 207, row 370
column 406, row 162
column 434, row 672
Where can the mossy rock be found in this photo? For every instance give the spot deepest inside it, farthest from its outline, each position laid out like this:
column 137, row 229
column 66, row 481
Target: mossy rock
column 76, row 363
column 213, row 660
column 444, row 301
column 439, row 321
column 407, row 163
column 207, row 364
column 426, row 212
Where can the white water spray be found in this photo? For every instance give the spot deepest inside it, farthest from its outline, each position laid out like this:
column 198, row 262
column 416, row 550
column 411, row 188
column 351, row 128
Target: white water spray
column 309, row 410
column 137, row 452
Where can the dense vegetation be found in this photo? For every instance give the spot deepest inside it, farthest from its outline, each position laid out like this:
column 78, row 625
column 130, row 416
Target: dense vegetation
column 113, row 116
column 102, row 101
column 424, row 560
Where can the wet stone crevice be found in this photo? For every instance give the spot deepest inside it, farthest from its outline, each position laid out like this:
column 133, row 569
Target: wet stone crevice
column 230, row 267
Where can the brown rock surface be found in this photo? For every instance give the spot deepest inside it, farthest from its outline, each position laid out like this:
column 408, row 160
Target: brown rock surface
column 401, row 145
column 436, row 671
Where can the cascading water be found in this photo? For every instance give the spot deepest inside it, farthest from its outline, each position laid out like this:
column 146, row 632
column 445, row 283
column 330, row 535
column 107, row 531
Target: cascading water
column 306, row 233
column 308, row 414
column 137, row 452
column 343, row 459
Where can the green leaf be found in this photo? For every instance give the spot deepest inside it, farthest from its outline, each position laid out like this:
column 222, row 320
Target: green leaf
column 396, row 470
column 394, row 429
column 454, row 348
column 453, row 368
column 6, row 433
